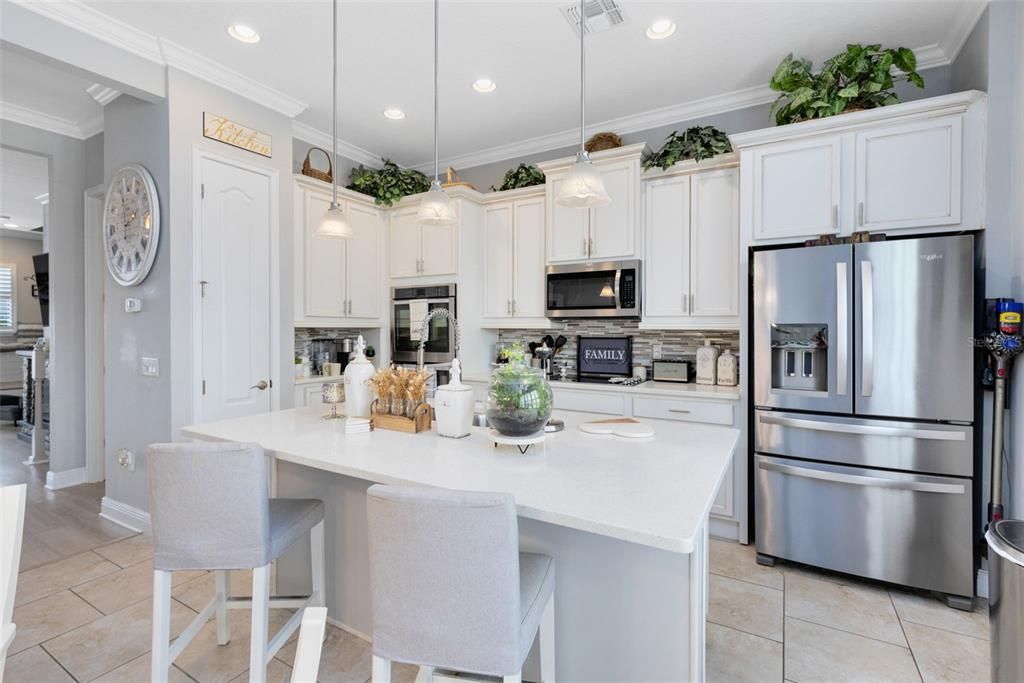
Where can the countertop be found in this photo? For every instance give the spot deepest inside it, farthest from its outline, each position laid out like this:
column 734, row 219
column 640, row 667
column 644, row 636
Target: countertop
column 650, row 388
column 318, row 379
column 656, row 492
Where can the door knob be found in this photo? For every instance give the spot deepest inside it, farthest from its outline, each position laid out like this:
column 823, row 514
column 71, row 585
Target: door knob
column 261, row 385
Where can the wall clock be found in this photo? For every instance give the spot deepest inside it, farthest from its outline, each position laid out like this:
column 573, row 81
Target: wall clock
column 131, row 225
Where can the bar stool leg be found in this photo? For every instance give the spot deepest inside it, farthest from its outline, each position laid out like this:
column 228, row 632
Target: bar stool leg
column 514, row 678
column 260, row 624
column 547, row 642
column 161, row 658
column 425, row 675
column 381, row 671
column 223, row 584
column 317, row 563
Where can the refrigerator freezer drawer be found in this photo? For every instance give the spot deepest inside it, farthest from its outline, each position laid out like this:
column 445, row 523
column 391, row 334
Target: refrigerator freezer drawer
column 909, row 446
column 912, row 530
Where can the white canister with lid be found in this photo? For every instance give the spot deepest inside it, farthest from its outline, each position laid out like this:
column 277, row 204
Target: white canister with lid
column 707, row 363
column 358, row 372
column 453, row 405
column 728, row 370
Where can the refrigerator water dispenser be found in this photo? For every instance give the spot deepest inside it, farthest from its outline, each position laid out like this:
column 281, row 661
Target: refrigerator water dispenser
column 800, row 357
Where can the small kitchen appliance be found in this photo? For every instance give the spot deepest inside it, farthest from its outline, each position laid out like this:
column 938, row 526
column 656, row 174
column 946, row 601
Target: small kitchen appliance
column 593, row 290
column 672, row 371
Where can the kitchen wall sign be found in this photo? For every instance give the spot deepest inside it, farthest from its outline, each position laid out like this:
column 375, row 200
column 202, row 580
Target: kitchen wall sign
column 600, row 358
column 223, row 129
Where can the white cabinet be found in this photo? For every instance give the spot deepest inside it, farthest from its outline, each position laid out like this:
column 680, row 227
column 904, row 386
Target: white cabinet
column 337, row 282
column 602, row 233
column 419, row 250
column 692, row 251
column 796, row 189
column 513, row 259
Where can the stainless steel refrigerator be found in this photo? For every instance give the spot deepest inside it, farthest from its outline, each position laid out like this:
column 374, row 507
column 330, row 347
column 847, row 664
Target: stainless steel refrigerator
column 864, row 410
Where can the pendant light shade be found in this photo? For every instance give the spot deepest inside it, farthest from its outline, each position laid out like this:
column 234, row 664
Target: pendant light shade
column 583, row 188
column 436, row 208
column 334, row 224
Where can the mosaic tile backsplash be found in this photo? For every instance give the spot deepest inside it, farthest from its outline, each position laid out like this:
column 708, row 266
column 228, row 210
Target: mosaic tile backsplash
column 304, row 335
column 676, row 344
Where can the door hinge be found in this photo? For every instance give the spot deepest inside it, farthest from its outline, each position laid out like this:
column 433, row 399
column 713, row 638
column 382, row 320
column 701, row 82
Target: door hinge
column 204, row 387
column 271, row 383
column 202, row 190
column 202, row 288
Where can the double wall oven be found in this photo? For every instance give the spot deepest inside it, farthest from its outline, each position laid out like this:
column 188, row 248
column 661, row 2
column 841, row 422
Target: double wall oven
column 864, row 437
column 409, row 305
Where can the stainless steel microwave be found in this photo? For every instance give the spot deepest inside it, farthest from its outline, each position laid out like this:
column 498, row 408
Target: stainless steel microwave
column 593, row 290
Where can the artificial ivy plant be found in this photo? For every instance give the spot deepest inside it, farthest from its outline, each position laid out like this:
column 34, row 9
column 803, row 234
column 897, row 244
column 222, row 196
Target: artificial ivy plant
column 389, row 183
column 860, row 77
column 698, row 142
column 523, row 175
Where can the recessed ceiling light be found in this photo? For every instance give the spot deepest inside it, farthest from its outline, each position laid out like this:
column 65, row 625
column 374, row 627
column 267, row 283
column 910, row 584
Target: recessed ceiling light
column 662, row 28
column 394, row 113
column 246, row 34
column 10, row 225
column 484, row 85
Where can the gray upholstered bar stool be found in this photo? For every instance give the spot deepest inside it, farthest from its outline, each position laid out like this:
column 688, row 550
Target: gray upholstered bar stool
column 211, row 510
column 450, row 588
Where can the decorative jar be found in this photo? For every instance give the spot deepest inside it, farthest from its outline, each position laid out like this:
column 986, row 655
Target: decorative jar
column 519, row 399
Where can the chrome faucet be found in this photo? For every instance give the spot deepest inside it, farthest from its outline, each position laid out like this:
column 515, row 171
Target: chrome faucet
column 425, row 332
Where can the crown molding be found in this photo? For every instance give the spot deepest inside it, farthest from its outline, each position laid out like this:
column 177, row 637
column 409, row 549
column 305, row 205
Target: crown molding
column 103, row 94
column 931, row 56
column 195, row 64
column 960, row 29
column 55, row 124
column 306, row 133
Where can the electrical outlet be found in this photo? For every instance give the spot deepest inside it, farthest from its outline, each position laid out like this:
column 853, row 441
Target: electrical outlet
column 656, row 351
column 150, row 366
column 126, row 459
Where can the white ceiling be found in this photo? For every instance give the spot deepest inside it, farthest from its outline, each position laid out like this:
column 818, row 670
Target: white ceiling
column 23, row 177
column 722, row 53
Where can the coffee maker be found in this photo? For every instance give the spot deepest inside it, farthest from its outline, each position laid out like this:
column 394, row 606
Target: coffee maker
column 321, row 352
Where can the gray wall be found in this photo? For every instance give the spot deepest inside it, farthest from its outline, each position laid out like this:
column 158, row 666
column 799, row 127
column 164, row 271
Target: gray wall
column 342, row 166
column 19, row 251
column 74, row 166
column 137, row 408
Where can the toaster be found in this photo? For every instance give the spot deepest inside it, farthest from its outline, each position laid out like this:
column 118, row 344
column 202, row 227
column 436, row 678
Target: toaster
column 671, row 370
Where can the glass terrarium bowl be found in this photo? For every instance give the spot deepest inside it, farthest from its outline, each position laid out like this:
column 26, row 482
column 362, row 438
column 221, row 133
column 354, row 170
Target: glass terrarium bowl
column 519, row 400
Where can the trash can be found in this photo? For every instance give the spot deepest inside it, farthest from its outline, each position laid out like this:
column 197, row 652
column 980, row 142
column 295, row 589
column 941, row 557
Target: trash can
column 1006, row 599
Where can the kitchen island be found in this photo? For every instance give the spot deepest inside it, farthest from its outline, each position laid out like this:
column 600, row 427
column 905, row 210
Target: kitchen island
column 625, row 520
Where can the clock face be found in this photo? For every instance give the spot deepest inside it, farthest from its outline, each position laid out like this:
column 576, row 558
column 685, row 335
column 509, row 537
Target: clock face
column 131, row 225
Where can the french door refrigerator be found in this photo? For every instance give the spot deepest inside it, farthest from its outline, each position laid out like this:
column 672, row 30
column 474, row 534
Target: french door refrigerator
column 864, row 410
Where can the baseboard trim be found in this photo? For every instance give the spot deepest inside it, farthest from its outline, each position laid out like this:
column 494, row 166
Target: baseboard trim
column 62, row 480
column 348, row 629
column 125, row 515
column 983, row 583
column 723, row 528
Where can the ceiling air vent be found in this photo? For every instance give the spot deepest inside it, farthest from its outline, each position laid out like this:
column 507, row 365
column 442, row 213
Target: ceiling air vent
column 601, row 15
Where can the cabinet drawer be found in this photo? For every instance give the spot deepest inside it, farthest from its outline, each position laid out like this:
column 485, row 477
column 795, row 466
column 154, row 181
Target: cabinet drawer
column 684, row 411
column 588, row 402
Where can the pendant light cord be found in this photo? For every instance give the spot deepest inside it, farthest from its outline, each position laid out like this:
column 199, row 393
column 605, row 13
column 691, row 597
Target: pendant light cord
column 334, row 111
column 436, row 3
column 583, row 76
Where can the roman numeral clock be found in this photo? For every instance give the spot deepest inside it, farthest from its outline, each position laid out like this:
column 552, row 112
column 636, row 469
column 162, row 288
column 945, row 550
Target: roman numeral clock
column 131, row 225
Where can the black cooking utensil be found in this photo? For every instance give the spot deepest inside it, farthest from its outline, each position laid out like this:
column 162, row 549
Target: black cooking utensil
column 549, row 340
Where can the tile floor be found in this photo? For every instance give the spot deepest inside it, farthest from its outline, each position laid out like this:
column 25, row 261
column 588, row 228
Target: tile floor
column 83, row 614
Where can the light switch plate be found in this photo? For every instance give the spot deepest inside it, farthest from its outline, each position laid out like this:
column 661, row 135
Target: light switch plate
column 132, row 305
column 126, row 459
column 150, row 366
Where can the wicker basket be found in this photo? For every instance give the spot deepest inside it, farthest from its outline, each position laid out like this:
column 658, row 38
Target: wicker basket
column 600, row 141
column 307, row 168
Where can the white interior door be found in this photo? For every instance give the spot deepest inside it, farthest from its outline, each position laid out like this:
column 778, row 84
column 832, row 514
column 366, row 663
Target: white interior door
column 234, row 262
column 528, row 293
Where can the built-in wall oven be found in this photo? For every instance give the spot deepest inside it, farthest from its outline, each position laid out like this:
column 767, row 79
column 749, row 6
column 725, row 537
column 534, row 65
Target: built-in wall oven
column 409, row 306
column 610, row 289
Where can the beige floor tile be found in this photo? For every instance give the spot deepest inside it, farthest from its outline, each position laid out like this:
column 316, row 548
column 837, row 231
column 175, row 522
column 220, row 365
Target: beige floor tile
column 817, row 653
column 56, row 576
column 854, row 607
column 116, row 591
column 49, row 617
column 923, row 609
column 132, row 550
column 83, row 534
column 944, row 657
column 206, row 661
column 34, row 665
column 746, row 607
column 344, row 657
column 404, row 673
column 277, row 672
column 138, row 670
column 737, row 657
column 35, row 553
column 114, row 640
column 198, row 592
column 738, row 562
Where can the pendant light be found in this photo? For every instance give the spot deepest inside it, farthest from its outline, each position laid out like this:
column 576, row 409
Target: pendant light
column 583, row 188
column 436, row 206
column 334, row 225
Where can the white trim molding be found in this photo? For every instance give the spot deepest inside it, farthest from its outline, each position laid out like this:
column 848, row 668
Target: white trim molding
column 103, row 94
column 79, row 130
column 62, row 480
column 306, row 133
column 124, row 515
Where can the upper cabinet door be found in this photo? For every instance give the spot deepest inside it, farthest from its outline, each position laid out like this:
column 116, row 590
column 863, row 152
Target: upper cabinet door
column 714, row 253
column 528, row 293
column 667, row 265
column 796, row 188
column 908, row 175
column 324, row 264
column 612, row 227
column 498, row 260
column 405, row 243
column 364, row 281
column 568, row 228
column 439, row 248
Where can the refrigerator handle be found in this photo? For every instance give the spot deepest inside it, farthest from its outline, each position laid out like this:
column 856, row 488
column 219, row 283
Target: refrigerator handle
column 867, row 328
column 860, row 479
column 842, row 328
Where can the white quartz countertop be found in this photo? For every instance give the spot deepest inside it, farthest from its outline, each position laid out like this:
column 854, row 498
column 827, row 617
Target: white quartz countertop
column 656, row 492
column 651, row 388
